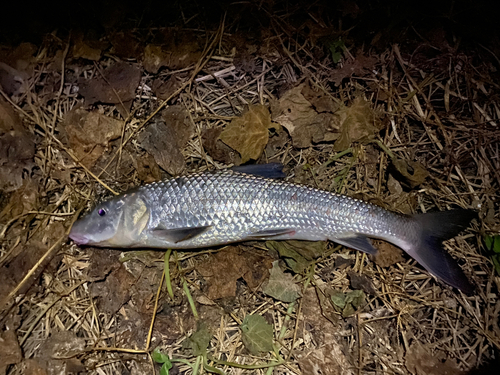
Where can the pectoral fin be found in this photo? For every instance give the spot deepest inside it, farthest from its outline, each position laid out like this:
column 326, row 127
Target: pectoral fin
column 360, row 243
column 177, row 235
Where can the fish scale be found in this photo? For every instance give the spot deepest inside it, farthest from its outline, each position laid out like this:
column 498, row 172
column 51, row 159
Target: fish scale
column 216, row 208
column 238, row 205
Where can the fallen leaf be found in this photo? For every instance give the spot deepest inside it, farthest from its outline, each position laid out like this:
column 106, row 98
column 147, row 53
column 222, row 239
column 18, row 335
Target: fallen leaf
column 305, row 125
column 281, row 286
column 126, row 45
column 198, row 342
column 58, row 352
column 420, row 361
column 410, row 172
column 85, row 49
column 347, row 303
column 358, row 122
column 33, row 366
column 249, row 133
column 10, row 351
column 256, row 334
column 394, row 186
column 155, row 58
column 89, row 133
column 224, row 268
column 326, row 360
column 361, row 66
column 217, row 149
column 312, row 322
column 165, row 88
column 321, row 101
column 175, row 50
column 298, row 255
column 361, row 282
column 147, row 169
column 116, row 86
column 160, row 140
column 17, row 149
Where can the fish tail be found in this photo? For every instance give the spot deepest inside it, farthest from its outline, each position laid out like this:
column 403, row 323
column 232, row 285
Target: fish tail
column 437, row 227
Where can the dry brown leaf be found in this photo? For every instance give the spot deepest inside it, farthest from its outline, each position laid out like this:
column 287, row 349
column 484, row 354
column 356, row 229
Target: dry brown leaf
column 419, row 361
column 325, row 360
column 305, row 125
column 10, row 351
column 217, row 149
column 358, row 122
column 224, row 268
column 410, row 172
column 89, row 134
column 126, row 45
column 166, row 136
column 249, row 133
column 360, row 66
column 112, row 293
column 86, row 49
column 116, row 87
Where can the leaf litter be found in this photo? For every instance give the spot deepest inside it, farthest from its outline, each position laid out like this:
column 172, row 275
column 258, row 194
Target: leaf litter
column 359, row 125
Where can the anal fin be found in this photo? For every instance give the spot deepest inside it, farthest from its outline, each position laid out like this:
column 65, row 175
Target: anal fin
column 270, row 233
column 360, row 243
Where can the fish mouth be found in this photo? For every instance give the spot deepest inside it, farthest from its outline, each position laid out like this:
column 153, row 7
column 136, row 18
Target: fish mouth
column 79, row 239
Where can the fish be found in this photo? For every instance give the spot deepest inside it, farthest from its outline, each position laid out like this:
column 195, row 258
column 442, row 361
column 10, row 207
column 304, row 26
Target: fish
column 207, row 209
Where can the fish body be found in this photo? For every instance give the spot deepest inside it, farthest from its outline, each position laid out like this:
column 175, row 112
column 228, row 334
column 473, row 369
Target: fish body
column 216, row 208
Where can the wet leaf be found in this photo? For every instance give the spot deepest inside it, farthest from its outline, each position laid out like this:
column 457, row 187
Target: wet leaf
column 298, row 255
column 347, row 303
column 198, row 342
column 224, row 268
column 249, row 133
column 410, row 172
column 358, row 122
column 257, row 334
column 281, row 286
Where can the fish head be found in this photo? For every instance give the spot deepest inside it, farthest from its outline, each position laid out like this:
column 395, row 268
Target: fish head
column 117, row 222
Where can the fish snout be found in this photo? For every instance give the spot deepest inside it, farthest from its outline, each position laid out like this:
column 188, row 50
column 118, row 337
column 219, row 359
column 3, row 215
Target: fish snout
column 77, row 238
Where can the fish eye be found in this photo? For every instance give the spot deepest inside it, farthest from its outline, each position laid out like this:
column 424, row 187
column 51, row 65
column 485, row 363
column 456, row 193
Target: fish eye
column 101, row 212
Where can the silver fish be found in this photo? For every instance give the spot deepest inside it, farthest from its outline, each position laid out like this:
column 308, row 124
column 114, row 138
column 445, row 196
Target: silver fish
column 215, row 208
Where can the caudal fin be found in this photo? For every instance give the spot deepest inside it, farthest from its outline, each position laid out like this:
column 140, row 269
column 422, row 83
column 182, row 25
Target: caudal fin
column 436, row 228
